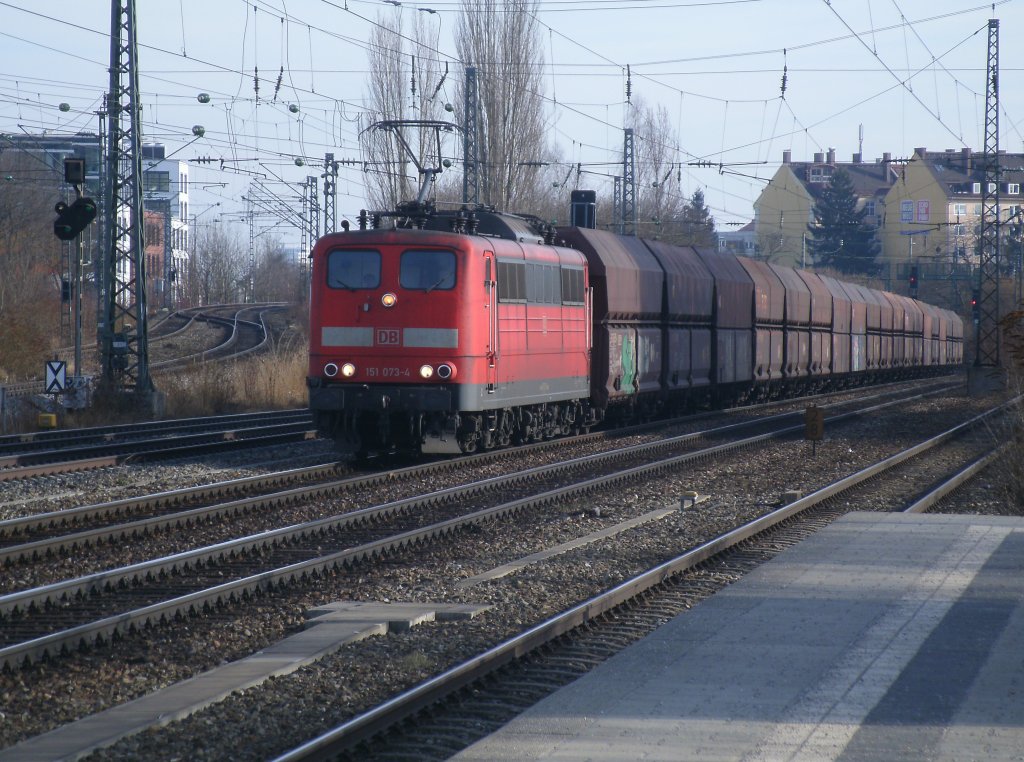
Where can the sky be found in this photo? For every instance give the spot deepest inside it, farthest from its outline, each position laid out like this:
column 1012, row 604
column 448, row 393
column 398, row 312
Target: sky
column 868, row 76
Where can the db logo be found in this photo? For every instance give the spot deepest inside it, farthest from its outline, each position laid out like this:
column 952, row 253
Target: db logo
column 388, row 336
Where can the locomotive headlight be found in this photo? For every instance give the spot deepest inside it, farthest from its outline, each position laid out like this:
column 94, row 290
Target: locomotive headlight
column 426, row 371
column 445, row 371
column 389, row 299
column 348, row 370
column 330, row 370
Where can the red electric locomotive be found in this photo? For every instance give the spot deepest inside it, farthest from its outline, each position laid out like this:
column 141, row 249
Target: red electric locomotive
column 447, row 332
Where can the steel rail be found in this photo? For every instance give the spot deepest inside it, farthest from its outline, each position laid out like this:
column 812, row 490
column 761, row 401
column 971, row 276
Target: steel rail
column 166, row 448
column 43, row 547
column 23, row 443
column 365, row 726
column 52, row 644
column 972, row 470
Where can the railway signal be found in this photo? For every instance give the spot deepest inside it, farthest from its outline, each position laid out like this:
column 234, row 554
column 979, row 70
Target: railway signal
column 74, row 218
column 913, row 281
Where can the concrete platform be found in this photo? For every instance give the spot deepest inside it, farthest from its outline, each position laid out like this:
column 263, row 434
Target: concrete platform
column 883, row 637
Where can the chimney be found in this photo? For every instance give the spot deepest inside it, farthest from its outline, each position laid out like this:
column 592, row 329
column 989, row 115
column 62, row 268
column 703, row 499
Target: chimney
column 921, row 151
column 832, row 156
column 819, row 158
column 886, row 158
column 965, row 154
column 858, row 158
column 787, row 156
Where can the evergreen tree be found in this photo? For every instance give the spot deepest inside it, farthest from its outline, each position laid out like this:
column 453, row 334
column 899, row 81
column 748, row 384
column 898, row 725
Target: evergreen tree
column 839, row 237
column 698, row 226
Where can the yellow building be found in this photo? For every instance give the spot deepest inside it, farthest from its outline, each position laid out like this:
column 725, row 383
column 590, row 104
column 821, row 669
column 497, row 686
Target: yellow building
column 933, row 211
column 785, row 207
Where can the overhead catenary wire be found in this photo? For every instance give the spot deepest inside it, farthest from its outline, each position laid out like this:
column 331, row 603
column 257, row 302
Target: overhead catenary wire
column 254, row 125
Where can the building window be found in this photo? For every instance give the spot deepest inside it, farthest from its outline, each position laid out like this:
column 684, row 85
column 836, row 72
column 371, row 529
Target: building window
column 1013, row 189
column 156, row 182
column 960, row 210
column 819, row 174
column 869, row 208
column 959, row 229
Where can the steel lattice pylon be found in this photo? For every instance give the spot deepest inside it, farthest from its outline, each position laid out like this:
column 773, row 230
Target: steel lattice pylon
column 617, row 203
column 330, row 177
column 988, row 271
column 470, row 141
column 313, row 189
column 310, row 222
column 629, row 210
column 123, row 330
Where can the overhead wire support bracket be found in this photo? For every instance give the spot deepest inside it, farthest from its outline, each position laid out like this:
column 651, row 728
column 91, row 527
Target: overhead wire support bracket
column 427, row 173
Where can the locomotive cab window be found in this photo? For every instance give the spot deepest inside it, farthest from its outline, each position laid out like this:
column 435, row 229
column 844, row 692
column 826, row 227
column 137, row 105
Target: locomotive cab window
column 353, row 269
column 427, row 270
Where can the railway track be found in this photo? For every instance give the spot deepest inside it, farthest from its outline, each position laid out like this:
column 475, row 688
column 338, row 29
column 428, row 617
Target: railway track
column 45, row 621
column 241, row 335
column 84, row 449
column 57, row 533
column 186, row 506
column 461, row 705
column 373, row 672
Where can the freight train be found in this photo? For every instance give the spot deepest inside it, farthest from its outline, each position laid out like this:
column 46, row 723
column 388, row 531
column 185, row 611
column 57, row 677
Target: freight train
column 457, row 331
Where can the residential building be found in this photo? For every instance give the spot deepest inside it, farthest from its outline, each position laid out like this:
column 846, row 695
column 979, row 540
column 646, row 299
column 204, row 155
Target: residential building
column 933, row 212
column 785, row 207
column 742, row 241
column 165, row 193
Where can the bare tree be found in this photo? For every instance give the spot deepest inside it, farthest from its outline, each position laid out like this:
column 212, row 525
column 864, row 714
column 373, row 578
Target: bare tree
column 405, row 84
column 660, row 200
column 217, row 268
column 502, row 40
column 30, row 265
column 277, row 277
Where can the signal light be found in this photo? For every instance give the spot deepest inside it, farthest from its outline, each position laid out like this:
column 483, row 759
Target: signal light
column 913, row 278
column 72, row 220
column 975, row 306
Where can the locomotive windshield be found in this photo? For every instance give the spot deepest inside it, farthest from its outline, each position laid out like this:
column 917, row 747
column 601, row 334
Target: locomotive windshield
column 353, row 269
column 427, row 269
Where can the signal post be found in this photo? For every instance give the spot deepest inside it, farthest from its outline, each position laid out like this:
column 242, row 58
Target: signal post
column 71, row 220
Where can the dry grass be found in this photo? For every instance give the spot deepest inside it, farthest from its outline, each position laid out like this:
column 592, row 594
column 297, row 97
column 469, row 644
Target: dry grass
column 273, row 380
